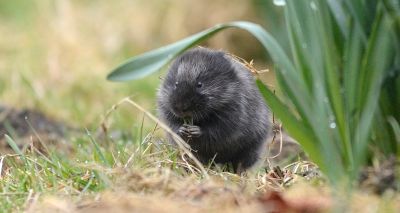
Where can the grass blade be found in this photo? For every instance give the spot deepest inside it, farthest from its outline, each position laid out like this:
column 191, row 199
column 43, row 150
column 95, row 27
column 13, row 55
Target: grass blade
column 396, row 129
column 14, row 146
column 97, row 148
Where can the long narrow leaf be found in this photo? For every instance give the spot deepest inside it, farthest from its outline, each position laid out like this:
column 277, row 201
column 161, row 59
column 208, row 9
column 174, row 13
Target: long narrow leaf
column 339, row 14
column 150, row 62
column 396, row 129
column 358, row 11
column 375, row 63
column 294, row 126
column 97, row 148
column 14, row 146
column 333, row 85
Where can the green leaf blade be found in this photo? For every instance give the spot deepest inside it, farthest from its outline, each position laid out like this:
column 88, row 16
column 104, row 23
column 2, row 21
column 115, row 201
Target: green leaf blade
column 294, row 126
column 150, row 62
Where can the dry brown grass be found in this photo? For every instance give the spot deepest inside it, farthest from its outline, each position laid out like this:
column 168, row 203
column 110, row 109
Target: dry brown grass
column 166, row 193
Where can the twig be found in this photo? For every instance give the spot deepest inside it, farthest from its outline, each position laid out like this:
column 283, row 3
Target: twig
column 280, row 143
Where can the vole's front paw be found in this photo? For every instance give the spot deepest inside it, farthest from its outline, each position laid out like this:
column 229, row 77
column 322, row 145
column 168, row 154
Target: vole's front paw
column 189, row 131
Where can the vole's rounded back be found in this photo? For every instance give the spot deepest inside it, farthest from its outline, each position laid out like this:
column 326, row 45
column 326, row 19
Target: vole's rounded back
column 229, row 119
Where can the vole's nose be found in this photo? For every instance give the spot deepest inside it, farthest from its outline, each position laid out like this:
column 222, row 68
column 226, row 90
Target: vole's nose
column 182, row 108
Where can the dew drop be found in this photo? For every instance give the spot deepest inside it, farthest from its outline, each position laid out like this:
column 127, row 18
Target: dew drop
column 313, row 6
column 280, row 2
column 332, row 125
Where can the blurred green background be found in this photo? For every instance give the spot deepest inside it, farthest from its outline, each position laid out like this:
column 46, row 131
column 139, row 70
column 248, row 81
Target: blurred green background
column 55, row 54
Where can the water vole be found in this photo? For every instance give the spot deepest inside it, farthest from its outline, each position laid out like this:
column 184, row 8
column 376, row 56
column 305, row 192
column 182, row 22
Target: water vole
column 228, row 117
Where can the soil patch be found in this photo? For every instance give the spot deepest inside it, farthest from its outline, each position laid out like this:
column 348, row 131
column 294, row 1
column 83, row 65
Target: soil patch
column 29, row 127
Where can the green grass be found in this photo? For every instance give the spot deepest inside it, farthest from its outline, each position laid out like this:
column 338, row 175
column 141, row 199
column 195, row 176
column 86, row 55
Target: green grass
column 84, row 166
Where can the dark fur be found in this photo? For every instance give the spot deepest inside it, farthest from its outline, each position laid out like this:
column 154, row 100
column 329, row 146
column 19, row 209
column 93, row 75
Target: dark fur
column 230, row 118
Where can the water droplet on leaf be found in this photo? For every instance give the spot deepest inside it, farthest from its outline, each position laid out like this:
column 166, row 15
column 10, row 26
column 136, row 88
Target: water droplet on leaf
column 313, row 6
column 280, row 2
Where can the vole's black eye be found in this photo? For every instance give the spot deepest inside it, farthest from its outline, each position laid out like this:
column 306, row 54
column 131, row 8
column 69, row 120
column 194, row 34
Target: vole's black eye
column 199, row 85
column 176, row 85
